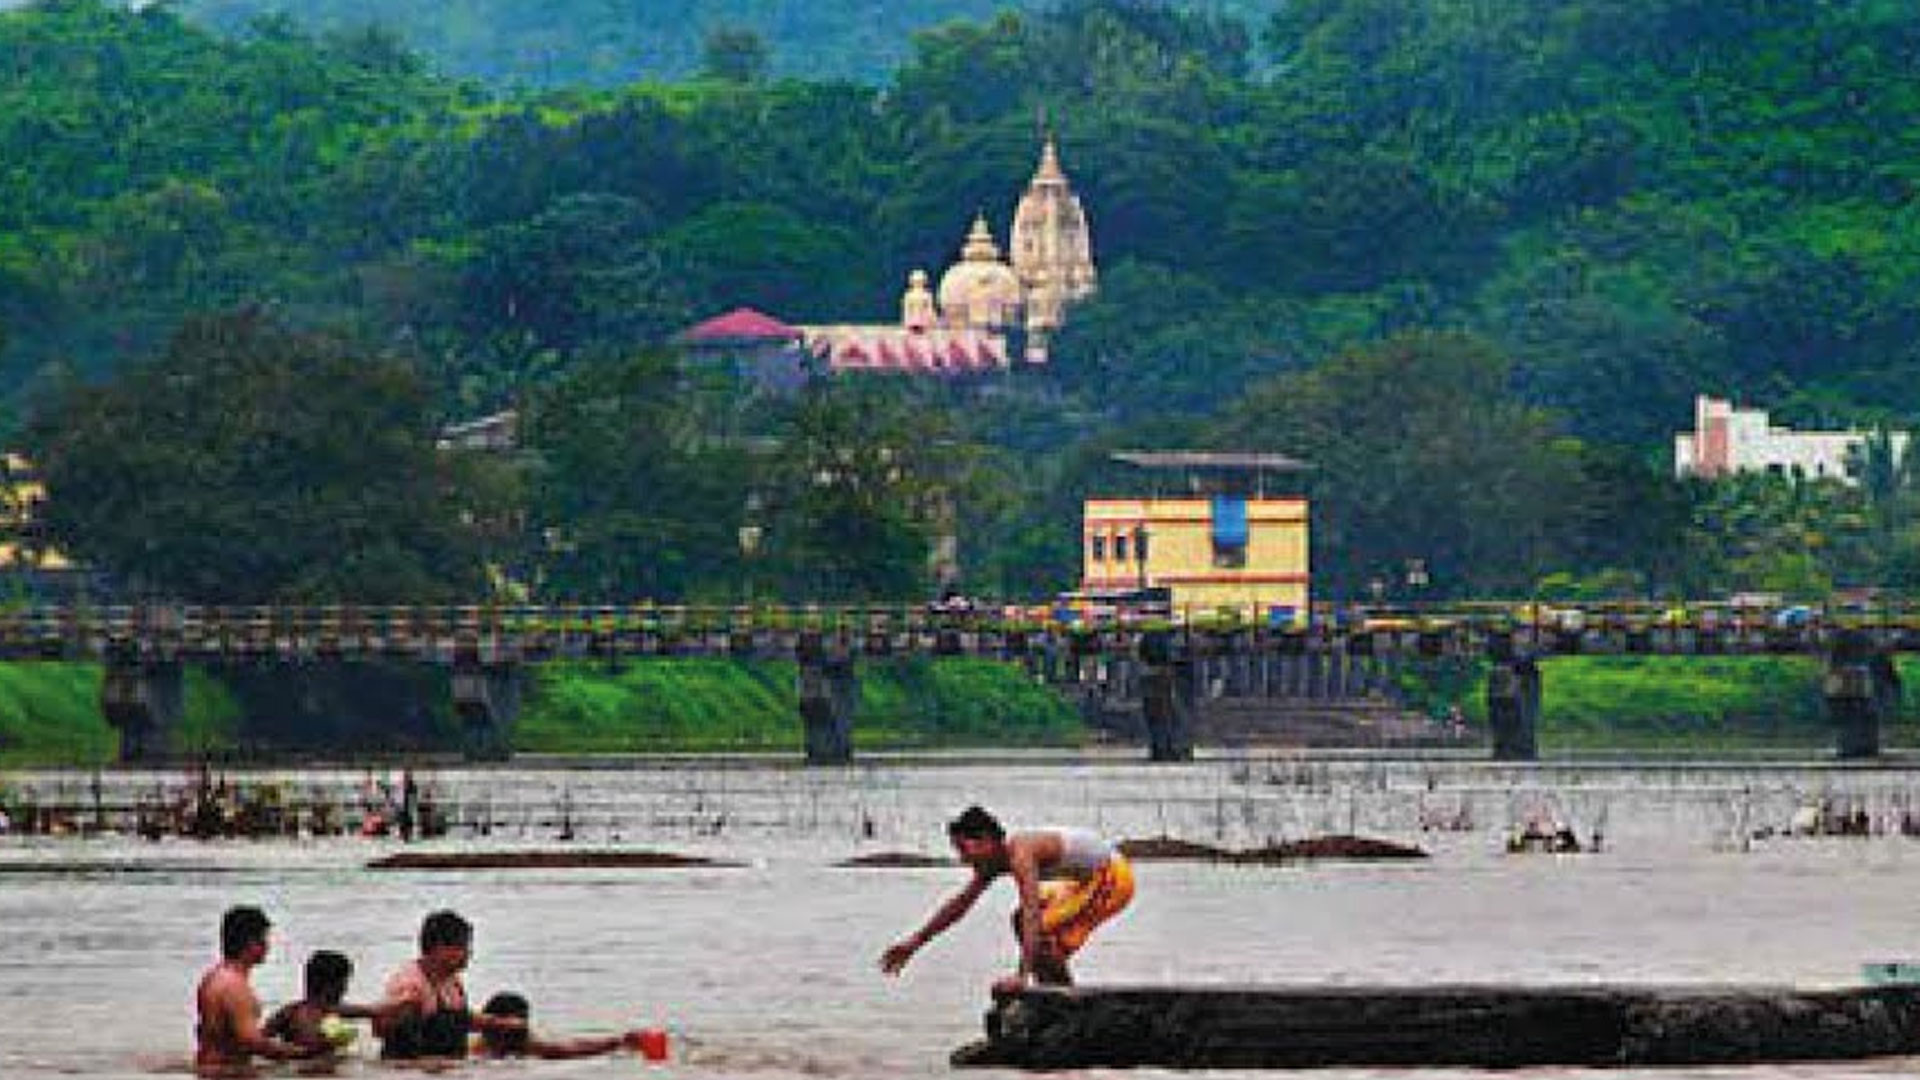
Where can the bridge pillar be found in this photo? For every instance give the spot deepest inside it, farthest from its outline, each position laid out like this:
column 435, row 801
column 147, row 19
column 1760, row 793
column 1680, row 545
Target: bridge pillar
column 486, row 698
column 1513, row 703
column 1167, row 692
column 144, row 700
column 1862, row 689
column 829, row 693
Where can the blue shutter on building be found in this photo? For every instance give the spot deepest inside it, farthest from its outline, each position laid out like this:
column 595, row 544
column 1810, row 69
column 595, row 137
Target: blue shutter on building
column 1229, row 522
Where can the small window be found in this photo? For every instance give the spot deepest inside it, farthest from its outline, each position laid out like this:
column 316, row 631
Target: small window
column 1230, row 558
column 1099, row 548
column 1120, row 548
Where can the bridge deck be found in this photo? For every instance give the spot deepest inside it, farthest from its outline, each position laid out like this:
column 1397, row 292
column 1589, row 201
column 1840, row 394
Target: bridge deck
column 512, row 634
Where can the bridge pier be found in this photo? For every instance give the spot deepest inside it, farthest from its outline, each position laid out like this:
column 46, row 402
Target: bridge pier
column 1862, row 689
column 143, row 700
column 1167, row 692
column 829, row 694
column 1513, row 702
column 486, row 698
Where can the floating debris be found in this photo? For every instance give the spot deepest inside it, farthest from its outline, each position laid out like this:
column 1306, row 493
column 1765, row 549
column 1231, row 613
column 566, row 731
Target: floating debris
column 544, row 860
column 894, row 860
column 1346, row 848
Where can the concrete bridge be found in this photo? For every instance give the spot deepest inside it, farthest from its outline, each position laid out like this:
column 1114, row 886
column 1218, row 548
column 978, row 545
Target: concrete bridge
column 1165, row 664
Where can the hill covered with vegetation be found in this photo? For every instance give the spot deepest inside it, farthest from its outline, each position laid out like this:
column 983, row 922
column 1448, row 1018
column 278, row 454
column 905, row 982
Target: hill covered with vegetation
column 1473, row 259
column 552, row 43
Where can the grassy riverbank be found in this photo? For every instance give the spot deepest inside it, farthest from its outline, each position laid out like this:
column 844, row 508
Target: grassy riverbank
column 50, row 712
column 50, row 715
column 696, row 705
column 1672, row 703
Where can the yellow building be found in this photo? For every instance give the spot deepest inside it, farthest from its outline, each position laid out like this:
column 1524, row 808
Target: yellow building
column 1211, row 533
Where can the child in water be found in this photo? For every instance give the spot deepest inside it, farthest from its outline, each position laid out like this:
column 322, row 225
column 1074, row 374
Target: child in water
column 519, row 1041
column 317, row 1022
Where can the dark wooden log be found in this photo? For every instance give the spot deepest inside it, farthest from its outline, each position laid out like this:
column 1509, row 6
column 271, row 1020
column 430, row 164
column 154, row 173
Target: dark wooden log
column 1475, row 1026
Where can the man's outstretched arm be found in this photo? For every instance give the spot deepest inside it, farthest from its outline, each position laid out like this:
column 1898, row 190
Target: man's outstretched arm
column 897, row 955
column 589, row 1046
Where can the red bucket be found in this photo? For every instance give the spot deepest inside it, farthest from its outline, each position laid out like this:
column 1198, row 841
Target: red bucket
column 652, row 1044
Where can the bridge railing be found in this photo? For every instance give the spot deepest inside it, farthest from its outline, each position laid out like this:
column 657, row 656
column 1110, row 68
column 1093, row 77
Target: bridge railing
column 439, row 631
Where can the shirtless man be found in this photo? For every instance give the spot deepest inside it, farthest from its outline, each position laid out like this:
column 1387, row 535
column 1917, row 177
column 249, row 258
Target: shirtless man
column 228, row 1034
column 1070, row 881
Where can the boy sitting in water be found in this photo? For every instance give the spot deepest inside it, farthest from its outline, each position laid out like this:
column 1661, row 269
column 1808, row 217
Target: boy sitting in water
column 506, row 1040
column 314, row 1023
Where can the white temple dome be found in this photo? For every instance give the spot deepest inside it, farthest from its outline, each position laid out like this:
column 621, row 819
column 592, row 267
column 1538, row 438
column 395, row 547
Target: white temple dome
column 980, row 290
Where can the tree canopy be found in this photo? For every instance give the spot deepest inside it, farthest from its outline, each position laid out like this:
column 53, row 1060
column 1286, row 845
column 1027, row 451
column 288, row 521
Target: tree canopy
column 1567, row 219
column 250, row 464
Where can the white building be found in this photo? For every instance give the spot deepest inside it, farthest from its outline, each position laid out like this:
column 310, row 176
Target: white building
column 1728, row 440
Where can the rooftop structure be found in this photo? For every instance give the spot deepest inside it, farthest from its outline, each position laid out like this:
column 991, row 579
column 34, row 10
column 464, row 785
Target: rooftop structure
column 1199, row 471
column 497, row 431
column 741, row 326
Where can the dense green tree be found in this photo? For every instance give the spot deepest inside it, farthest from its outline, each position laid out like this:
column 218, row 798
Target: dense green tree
column 858, row 491
column 249, row 464
column 1418, row 452
column 629, row 502
column 1627, row 515
column 582, row 272
column 764, row 256
column 1787, row 534
column 734, row 54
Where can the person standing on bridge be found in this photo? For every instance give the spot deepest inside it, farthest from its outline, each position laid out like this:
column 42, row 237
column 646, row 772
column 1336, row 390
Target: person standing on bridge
column 1070, row 882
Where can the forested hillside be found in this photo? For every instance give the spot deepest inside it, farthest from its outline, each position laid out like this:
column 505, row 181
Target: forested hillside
column 550, row 43
column 1541, row 227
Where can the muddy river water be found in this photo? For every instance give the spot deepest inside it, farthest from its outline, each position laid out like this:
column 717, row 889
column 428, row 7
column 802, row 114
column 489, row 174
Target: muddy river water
column 767, row 969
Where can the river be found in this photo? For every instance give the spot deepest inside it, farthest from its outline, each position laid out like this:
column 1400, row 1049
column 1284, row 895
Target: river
column 767, row 969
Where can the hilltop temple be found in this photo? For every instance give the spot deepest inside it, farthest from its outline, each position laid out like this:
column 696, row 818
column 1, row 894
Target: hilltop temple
column 988, row 308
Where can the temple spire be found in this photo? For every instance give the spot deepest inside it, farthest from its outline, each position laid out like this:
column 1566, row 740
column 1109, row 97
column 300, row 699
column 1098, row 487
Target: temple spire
column 980, row 245
column 1052, row 250
column 1049, row 171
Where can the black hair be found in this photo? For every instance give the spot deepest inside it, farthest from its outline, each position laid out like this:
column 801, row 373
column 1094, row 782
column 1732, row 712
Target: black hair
column 327, row 975
column 242, row 926
column 975, row 822
column 508, row 1004
column 444, row 928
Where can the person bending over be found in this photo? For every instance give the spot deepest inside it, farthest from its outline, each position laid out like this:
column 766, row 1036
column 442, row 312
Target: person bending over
column 1070, row 881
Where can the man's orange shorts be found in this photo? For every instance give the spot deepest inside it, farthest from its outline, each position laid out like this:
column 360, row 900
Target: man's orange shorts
column 1069, row 909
